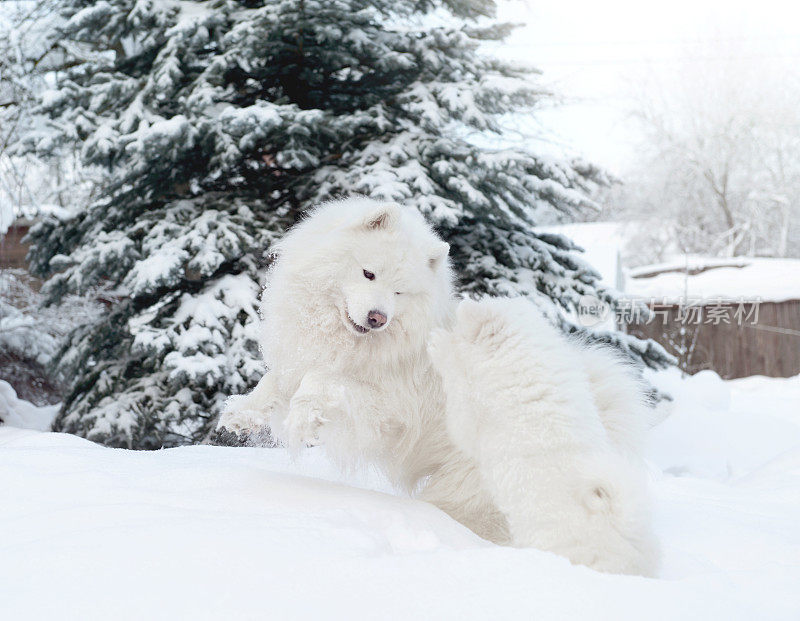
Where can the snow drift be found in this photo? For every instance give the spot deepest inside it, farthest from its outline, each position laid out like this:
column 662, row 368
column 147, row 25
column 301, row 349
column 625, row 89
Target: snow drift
column 210, row 532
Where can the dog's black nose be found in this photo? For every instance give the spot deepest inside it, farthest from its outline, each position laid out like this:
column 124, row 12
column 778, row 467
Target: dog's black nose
column 376, row 319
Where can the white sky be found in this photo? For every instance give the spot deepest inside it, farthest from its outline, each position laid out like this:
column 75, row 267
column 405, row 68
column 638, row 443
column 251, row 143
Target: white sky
column 597, row 53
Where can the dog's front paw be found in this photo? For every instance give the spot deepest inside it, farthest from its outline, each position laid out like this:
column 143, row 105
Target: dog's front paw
column 239, row 416
column 304, row 422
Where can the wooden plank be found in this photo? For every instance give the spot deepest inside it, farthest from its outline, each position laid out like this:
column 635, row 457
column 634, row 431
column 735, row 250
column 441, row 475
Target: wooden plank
column 730, row 349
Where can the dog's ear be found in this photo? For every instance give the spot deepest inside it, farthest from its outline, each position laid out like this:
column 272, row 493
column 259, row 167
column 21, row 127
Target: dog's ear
column 383, row 216
column 438, row 254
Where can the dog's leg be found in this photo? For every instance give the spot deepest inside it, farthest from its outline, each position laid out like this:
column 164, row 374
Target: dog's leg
column 313, row 404
column 348, row 416
column 254, row 410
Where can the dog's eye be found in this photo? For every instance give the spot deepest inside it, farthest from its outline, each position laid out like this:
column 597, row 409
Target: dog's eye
column 369, row 275
column 397, row 292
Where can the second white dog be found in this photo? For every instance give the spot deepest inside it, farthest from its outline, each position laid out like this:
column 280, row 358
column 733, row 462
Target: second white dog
column 554, row 427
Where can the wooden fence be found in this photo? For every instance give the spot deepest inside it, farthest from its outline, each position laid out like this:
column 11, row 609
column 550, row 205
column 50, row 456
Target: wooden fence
column 732, row 338
column 12, row 250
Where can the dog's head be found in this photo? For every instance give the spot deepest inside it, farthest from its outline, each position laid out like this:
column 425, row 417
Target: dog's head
column 359, row 275
column 391, row 272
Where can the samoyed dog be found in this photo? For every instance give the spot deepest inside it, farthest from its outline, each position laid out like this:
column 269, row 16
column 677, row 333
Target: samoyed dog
column 554, row 428
column 355, row 291
column 532, row 442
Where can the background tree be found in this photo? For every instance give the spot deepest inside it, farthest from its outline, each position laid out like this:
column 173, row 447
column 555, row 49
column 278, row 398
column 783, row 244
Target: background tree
column 32, row 56
column 718, row 173
column 219, row 122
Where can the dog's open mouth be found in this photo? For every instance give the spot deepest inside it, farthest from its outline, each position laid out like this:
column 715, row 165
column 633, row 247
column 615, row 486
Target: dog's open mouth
column 357, row 327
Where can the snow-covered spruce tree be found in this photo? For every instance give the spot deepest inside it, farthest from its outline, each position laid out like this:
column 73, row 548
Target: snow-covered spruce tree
column 219, row 123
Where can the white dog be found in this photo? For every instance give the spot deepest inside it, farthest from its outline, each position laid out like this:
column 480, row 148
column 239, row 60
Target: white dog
column 350, row 301
column 555, row 428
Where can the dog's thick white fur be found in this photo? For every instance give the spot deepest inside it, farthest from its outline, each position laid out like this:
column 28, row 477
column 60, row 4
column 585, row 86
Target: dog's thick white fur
column 351, row 301
column 336, row 377
column 555, row 429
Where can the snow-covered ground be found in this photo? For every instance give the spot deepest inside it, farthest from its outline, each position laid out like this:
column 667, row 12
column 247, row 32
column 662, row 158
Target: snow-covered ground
column 229, row 533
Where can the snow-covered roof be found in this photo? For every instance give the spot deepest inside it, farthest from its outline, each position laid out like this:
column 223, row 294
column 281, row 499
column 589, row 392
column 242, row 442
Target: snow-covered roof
column 25, row 214
column 705, row 278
